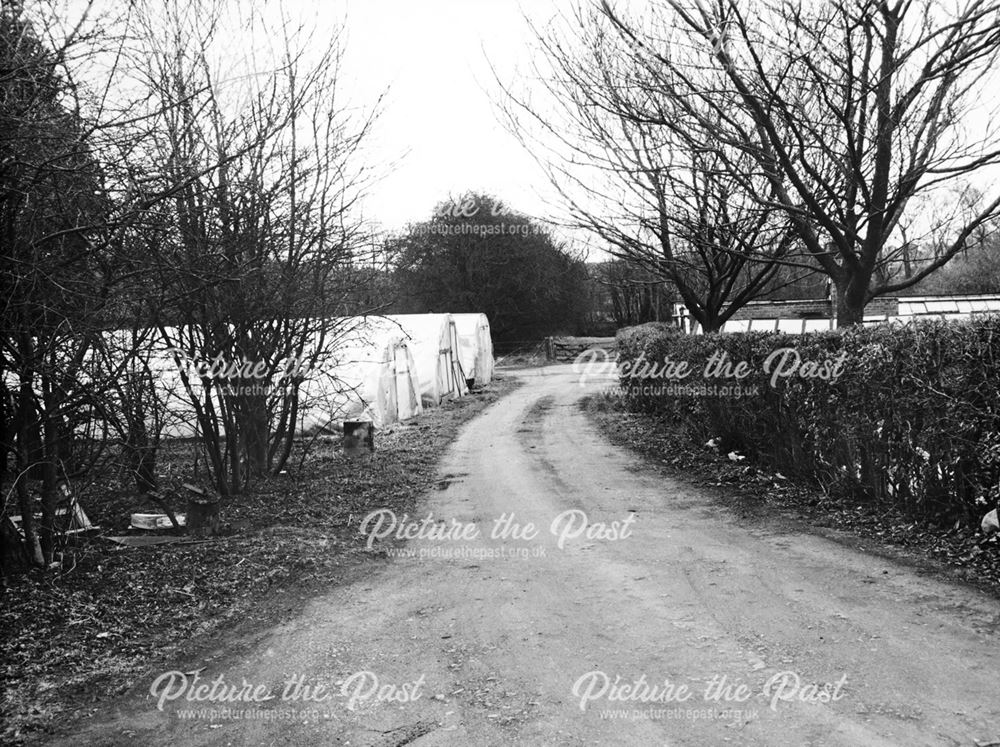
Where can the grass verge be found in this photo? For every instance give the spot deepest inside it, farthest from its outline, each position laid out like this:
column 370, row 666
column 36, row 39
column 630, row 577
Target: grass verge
column 755, row 493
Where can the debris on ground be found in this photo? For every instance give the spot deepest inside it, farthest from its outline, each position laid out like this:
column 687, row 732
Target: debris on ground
column 90, row 628
column 752, row 490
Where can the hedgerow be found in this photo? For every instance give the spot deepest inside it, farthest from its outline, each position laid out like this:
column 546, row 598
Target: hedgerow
column 910, row 416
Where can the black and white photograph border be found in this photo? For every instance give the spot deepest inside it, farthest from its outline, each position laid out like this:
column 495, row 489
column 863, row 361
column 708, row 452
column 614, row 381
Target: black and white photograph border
column 488, row 372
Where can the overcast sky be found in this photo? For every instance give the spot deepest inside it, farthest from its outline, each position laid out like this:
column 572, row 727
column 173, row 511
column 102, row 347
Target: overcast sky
column 433, row 55
column 439, row 127
column 434, row 58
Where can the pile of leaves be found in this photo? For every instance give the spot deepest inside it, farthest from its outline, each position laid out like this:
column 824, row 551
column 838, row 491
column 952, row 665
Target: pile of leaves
column 89, row 631
column 757, row 492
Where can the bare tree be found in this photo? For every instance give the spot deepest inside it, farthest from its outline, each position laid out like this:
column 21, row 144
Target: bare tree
column 59, row 221
column 858, row 114
column 636, row 169
column 214, row 211
column 258, row 249
column 633, row 295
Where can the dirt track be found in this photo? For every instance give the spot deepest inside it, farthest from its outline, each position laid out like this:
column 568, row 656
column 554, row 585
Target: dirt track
column 498, row 649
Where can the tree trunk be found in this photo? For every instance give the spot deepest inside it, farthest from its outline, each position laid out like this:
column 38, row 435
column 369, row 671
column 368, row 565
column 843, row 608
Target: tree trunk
column 28, row 442
column 8, row 428
column 255, row 430
column 711, row 322
column 849, row 303
column 140, row 455
column 50, row 497
column 285, row 437
column 32, row 547
column 50, row 469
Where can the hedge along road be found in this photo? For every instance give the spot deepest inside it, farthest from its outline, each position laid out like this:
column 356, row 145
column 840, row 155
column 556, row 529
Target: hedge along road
column 665, row 621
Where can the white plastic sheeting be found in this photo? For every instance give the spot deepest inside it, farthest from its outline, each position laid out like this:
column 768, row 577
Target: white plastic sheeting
column 433, row 338
column 383, row 369
column 475, row 347
column 372, row 376
column 173, row 410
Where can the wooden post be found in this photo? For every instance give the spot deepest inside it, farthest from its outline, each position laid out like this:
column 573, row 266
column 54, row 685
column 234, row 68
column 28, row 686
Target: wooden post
column 359, row 437
column 202, row 512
